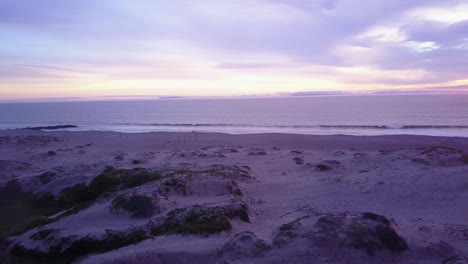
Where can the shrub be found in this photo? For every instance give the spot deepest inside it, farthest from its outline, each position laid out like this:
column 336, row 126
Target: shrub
column 111, row 240
column 107, row 181
column 140, row 178
column 20, row 250
column 33, row 224
column 140, row 206
column 43, row 234
column 75, row 195
column 34, row 210
column 177, row 183
column 323, row 167
column 45, row 200
column 198, row 223
column 46, row 177
column 234, row 188
column 111, row 180
column 199, row 220
column 10, row 191
column 376, row 218
column 390, row 238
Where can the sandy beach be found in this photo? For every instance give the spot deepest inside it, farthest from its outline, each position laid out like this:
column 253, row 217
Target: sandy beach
column 220, row 198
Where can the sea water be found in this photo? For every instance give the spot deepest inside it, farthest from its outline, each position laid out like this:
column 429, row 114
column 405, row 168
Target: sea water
column 437, row 115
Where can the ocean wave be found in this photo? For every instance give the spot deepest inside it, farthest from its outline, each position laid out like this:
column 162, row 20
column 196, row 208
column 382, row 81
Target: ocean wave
column 298, row 126
column 396, row 126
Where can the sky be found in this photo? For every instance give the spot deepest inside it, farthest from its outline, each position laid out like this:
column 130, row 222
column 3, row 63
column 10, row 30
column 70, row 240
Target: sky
column 120, row 48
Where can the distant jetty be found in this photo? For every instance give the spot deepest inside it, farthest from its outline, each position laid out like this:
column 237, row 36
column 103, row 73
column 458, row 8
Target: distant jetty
column 51, row 127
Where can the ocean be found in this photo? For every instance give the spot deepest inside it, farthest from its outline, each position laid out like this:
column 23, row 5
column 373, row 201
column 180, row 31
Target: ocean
column 436, row 115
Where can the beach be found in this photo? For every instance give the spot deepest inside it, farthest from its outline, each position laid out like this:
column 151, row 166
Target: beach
column 282, row 198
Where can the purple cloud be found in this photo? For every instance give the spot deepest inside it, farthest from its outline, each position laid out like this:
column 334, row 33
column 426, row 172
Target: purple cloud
column 114, row 35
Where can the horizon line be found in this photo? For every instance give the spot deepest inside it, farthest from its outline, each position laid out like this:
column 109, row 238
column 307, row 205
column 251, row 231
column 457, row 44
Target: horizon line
column 264, row 96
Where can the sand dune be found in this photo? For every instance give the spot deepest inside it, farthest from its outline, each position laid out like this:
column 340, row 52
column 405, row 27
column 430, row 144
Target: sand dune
column 104, row 197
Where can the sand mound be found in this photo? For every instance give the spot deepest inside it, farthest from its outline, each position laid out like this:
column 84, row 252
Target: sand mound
column 442, row 156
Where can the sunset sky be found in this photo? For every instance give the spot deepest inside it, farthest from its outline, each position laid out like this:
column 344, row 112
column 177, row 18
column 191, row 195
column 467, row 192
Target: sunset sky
column 114, row 48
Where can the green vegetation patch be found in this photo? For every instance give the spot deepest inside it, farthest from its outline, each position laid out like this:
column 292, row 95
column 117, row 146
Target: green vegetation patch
column 111, row 240
column 22, row 211
column 224, row 172
column 199, row 220
column 111, row 180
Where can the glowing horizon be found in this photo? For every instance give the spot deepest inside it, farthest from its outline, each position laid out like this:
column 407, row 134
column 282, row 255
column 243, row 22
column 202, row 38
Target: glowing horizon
column 87, row 49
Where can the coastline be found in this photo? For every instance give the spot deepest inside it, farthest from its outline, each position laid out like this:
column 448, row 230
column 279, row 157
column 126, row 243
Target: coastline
column 176, row 139
column 417, row 183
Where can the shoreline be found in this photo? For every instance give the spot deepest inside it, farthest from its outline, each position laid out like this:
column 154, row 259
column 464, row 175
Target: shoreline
column 325, row 130
column 267, row 139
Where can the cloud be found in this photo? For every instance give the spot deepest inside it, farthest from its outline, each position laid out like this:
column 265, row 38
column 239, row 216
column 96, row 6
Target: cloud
column 343, row 43
column 246, row 65
column 52, row 68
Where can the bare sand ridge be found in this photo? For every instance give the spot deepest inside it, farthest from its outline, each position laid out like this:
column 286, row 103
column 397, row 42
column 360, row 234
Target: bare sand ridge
column 106, row 197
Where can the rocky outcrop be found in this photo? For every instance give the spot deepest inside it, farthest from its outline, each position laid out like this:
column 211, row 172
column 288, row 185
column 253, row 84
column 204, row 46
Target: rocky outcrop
column 51, row 127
